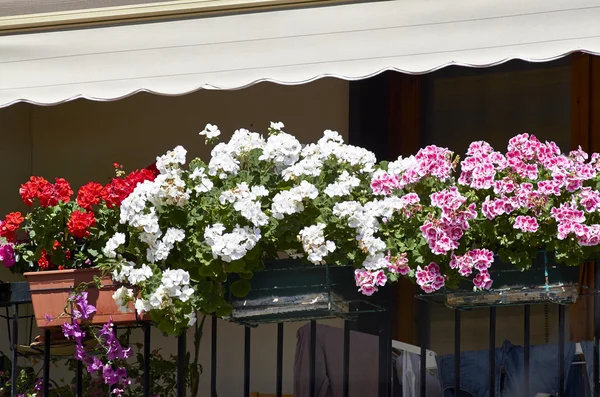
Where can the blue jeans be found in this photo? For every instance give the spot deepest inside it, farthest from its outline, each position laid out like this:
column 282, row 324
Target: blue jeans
column 509, row 379
column 588, row 353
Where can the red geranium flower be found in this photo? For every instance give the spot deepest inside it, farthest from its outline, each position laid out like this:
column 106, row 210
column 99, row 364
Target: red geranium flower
column 115, row 192
column 80, row 222
column 152, row 168
column 89, row 195
column 48, row 194
column 47, row 197
column 10, row 225
column 43, row 262
column 32, row 189
column 62, row 190
column 119, row 188
column 139, row 176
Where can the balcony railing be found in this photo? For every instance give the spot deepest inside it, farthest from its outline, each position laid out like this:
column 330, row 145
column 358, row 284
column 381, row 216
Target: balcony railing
column 20, row 297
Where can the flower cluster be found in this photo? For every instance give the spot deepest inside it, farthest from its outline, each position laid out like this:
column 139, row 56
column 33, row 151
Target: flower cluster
column 112, row 350
column 48, row 194
column 502, row 206
column 256, row 197
column 174, row 235
column 59, row 232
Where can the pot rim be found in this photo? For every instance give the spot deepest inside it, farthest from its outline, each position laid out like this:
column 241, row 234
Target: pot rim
column 52, row 272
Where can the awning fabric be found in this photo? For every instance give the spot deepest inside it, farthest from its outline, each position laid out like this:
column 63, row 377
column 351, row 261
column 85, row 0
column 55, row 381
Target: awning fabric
column 290, row 47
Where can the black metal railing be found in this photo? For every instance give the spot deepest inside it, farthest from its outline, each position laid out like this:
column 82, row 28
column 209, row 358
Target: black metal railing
column 385, row 352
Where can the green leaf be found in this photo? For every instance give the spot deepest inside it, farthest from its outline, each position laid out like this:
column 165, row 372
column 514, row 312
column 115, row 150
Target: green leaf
column 224, row 311
column 246, row 275
column 240, row 288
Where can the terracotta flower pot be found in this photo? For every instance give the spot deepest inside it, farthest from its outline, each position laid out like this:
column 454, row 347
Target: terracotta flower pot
column 50, row 291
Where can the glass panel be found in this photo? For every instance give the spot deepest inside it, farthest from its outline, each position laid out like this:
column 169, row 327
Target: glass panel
column 463, row 105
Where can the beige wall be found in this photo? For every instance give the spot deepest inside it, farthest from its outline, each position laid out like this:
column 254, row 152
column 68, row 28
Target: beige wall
column 82, row 139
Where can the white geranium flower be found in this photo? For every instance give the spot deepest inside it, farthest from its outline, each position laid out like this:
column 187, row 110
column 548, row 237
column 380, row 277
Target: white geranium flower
column 402, row 164
column 142, row 305
column 204, row 184
column 122, row 297
column 375, row 262
column 346, row 209
column 314, row 243
column 282, row 149
column 246, row 201
column 191, row 318
column 231, row 246
column 159, row 299
column 171, row 159
column 210, row 131
column 277, row 126
column 121, row 274
column 343, row 186
column 289, row 202
column 140, row 275
column 112, row 244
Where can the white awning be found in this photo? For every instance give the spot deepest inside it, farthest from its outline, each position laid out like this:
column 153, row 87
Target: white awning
column 290, row 47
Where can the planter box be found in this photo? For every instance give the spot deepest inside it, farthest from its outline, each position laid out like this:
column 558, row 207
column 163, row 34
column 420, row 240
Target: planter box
column 287, row 290
column 545, row 282
column 50, row 291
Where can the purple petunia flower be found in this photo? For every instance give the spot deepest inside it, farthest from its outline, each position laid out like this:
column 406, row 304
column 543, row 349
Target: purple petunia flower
column 7, row 255
column 73, row 331
column 112, row 344
column 79, row 352
column 93, row 364
column 85, row 309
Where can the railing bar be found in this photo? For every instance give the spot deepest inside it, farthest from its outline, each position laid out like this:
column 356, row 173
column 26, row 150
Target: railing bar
column 79, row 378
column 423, row 342
column 115, row 331
column 383, row 348
column 312, row 355
column 31, row 318
column 527, row 347
column 492, row 351
column 388, row 350
column 279, row 380
column 46, row 370
column 346, row 367
column 456, row 351
column 15, row 356
column 181, row 361
column 247, row 342
column 213, row 358
column 147, row 353
column 561, row 350
column 8, row 327
column 596, row 377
